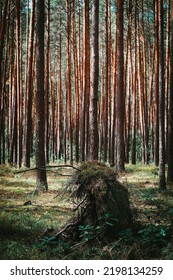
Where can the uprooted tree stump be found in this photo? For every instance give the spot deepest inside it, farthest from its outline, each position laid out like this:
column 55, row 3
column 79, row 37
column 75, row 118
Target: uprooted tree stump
column 101, row 207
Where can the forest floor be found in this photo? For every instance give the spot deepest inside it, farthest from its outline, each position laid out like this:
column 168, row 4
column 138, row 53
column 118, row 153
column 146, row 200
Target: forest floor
column 24, row 229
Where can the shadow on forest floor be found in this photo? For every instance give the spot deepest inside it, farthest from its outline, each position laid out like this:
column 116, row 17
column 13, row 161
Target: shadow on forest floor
column 23, row 228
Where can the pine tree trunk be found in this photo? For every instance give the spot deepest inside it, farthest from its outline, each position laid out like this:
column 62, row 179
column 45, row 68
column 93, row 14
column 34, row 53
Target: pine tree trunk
column 156, row 111
column 29, row 95
column 19, row 86
column 2, row 40
column 120, row 108
column 69, row 81
column 162, row 182
column 47, row 81
column 167, row 80
column 40, row 114
column 59, row 103
column 170, row 120
column 76, row 84
column 94, row 82
column 86, row 86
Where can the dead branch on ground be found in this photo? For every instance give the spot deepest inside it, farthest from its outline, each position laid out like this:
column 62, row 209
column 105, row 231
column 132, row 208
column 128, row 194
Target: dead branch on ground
column 46, row 167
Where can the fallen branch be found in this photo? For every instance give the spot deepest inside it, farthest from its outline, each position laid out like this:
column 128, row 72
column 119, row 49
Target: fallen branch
column 65, row 228
column 46, row 167
column 80, row 203
column 65, row 190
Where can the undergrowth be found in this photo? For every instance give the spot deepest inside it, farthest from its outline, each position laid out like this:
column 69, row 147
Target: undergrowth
column 25, row 230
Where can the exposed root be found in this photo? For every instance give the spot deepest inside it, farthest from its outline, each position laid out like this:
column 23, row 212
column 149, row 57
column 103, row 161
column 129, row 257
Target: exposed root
column 101, row 204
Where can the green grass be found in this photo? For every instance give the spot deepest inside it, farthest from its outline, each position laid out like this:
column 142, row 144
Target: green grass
column 22, row 227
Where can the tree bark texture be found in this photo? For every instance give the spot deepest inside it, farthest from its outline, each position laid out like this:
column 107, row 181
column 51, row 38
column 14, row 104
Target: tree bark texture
column 40, row 112
column 94, row 81
column 170, row 120
column 120, row 108
column 162, row 182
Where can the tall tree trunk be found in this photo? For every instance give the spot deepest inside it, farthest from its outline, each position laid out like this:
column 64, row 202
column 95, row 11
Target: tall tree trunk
column 170, row 121
column 167, row 80
column 2, row 40
column 134, row 89
column 162, row 182
column 127, row 87
column 40, row 114
column 120, row 88
column 107, row 82
column 29, row 95
column 94, row 81
column 143, row 92
column 86, row 85
column 3, row 27
column 19, row 86
column 47, row 80
column 156, row 111
column 76, row 83
column 69, row 81
column 59, row 103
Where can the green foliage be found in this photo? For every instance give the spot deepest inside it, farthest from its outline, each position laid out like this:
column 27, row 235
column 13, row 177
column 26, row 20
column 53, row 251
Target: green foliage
column 148, row 194
column 4, row 170
column 22, row 228
column 89, row 232
column 127, row 236
column 52, row 241
column 167, row 252
column 153, row 236
column 170, row 211
column 19, row 224
column 148, row 170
